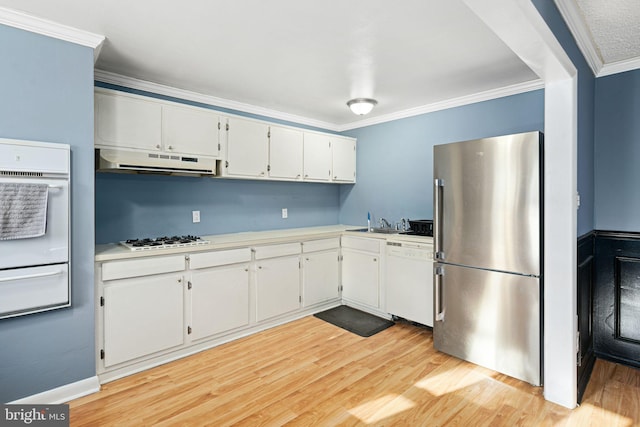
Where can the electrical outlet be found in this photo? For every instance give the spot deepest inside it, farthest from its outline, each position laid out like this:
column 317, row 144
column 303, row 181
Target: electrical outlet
column 285, row 213
column 196, row 216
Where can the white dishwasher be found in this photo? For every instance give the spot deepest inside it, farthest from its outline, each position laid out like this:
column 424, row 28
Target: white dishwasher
column 409, row 280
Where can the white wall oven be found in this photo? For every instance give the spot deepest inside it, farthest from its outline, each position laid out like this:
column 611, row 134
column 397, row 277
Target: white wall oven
column 34, row 227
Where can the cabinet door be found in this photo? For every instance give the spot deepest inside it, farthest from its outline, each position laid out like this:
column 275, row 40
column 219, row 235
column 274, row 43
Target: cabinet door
column 190, row 130
column 219, row 300
column 127, row 122
column 277, row 286
column 247, row 149
column 285, row 153
column 343, row 152
column 320, row 277
column 317, row 157
column 142, row 316
column 360, row 277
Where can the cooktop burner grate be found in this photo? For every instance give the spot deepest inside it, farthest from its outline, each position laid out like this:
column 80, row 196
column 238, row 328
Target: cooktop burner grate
column 164, row 242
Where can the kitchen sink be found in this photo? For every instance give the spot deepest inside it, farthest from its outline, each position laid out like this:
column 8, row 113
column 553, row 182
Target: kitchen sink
column 376, row 230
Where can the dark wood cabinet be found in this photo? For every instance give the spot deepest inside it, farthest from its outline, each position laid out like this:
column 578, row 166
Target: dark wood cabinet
column 616, row 308
column 586, row 357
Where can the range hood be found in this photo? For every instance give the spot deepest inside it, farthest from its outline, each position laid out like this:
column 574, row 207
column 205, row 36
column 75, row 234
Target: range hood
column 108, row 160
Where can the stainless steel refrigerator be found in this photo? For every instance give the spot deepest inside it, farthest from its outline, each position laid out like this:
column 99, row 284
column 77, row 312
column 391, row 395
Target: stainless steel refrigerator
column 487, row 244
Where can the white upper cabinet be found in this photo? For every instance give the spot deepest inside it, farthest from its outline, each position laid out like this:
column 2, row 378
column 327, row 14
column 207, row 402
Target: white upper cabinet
column 317, row 157
column 343, row 152
column 190, row 130
column 247, row 149
column 285, row 153
column 124, row 121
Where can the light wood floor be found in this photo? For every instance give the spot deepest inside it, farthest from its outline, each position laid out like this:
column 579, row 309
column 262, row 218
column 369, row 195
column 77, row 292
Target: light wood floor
column 311, row 373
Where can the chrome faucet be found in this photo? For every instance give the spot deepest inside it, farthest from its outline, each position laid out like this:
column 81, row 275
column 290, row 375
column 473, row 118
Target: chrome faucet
column 384, row 223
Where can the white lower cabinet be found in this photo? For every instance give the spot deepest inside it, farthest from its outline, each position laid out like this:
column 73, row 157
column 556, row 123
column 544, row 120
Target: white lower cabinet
column 142, row 315
column 361, row 271
column 157, row 308
column 320, row 271
column 277, row 286
column 219, row 300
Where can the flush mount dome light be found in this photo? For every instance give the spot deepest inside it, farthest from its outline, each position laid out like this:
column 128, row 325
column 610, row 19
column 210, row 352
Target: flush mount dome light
column 361, row 106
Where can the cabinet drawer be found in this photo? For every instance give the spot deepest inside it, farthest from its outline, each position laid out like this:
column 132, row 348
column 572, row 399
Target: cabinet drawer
column 273, row 251
column 320, row 245
column 217, row 258
column 367, row 245
column 142, row 267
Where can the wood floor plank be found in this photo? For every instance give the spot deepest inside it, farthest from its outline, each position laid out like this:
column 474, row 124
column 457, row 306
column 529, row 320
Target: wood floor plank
column 309, row 372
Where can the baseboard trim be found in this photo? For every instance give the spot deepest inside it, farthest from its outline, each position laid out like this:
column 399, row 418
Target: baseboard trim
column 63, row 393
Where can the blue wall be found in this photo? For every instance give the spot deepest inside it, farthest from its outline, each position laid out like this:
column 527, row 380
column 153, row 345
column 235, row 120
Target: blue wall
column 617, row 152
column 395, row 159
column 586, row 105
column 134, row 206
column 46, row 94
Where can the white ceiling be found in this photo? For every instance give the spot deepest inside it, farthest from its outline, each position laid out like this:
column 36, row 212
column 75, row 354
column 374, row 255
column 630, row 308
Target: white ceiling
column 303, row 60
column 607, row 32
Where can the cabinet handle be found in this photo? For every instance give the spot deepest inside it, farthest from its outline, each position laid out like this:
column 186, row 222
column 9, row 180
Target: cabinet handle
column 261, row 173
column 298, row 176
column 306, row 175
column 246, row 269
column 307, row 259
column 180, row 280
column 375, row 259
column 335, row 177
column 158, row 146
column 260, row 267
column 170, row 147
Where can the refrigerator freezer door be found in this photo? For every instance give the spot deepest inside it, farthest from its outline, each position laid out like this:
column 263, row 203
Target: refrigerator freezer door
column 488, row 199
column 489, row 318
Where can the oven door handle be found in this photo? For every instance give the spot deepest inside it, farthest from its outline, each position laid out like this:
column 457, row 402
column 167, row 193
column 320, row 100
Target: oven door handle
column 31, row 276
column 55, row 187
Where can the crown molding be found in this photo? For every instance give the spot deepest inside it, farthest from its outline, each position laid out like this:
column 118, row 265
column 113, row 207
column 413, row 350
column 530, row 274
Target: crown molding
column 133, row 83
column 575, row 21
column 23, row 21
column 619, row 67
column 449, row 103
column 143, row 85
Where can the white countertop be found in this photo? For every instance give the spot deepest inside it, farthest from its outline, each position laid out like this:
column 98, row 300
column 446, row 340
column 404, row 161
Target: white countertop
column 113, row 251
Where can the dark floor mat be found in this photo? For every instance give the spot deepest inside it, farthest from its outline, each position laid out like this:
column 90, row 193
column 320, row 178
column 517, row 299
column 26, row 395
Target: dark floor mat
column 356, row 321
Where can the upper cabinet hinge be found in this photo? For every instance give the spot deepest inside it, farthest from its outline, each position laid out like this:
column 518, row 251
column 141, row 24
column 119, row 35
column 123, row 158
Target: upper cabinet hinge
column 227, row 126
column 329, row 144
column 101, row 301
column 102, row 354
column 269, row 134
column 189, row 285
column 219, row 126
column 268, row 168
column 226, row 163
column 189, row 330
column 299, row 298
column 218, row 146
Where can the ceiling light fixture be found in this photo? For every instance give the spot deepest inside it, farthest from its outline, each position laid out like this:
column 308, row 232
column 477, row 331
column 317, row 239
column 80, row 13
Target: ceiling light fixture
column 361, row 106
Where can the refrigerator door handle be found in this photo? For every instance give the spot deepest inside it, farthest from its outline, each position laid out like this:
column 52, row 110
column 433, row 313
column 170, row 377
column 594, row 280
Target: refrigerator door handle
column 438, row 312
column 438, row 187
